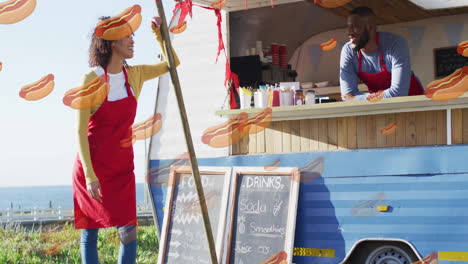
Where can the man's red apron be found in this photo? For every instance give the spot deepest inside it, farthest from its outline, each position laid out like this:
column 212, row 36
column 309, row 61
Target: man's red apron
column 113, row 165
column 383, row 80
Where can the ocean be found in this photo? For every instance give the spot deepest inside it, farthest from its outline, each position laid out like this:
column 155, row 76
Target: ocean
column 42, row 197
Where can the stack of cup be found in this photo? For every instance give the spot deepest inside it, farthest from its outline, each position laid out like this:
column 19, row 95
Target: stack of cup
column 275, row 54
column 245, row 101
column 286, row 98
column 261, row 98
column 283, row 56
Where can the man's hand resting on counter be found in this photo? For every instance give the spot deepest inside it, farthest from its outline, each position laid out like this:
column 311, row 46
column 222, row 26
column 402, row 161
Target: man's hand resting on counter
column 351, row 97
column 348, row 97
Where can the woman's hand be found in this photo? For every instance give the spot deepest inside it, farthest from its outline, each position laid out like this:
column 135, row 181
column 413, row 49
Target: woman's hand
column 156, row 23
column 94, row 190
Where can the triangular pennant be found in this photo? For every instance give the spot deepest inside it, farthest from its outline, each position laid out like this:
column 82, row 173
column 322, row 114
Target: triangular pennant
column 315, row 54
column 453, row 32
column 416, row 35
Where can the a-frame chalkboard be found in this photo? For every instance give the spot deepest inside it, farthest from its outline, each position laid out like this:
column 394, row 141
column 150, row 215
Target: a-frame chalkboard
column 263, row 206
column 183, row 238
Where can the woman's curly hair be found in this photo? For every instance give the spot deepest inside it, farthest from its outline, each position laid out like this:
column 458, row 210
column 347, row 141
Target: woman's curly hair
column 100, row 50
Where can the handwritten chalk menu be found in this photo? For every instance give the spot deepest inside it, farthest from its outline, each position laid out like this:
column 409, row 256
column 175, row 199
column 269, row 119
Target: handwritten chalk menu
column 447, row 60
column 183, row 238
column 263, row 215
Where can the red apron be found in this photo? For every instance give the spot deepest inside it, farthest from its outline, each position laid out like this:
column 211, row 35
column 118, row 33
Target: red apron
column 383, row 80
column 112, row 164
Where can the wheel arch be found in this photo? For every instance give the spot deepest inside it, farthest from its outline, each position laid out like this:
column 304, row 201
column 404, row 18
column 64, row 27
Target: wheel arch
column 363, row 241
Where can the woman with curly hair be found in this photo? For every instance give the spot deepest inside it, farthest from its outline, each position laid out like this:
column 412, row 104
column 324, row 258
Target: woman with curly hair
column 103, row 179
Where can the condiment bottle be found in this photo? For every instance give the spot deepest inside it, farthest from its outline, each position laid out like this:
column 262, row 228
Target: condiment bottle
column 299, row 97
column 310, row 97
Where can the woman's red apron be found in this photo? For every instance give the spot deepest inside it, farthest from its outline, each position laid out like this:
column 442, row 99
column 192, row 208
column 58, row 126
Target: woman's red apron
column 383, row 80
column 113, row 165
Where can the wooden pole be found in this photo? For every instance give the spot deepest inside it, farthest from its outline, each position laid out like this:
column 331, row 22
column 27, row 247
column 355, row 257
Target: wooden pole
column 188, row 136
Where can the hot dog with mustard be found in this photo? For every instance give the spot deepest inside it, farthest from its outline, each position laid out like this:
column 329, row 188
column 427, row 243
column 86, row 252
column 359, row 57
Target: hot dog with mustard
column 88, row 95
column 13, row 11
column 39, row 89
column 225, row 134
column 450, row 87
column 120, row 26
column 148, row 128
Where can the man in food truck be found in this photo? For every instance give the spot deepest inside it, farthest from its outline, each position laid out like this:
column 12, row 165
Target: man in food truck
column 381, row 60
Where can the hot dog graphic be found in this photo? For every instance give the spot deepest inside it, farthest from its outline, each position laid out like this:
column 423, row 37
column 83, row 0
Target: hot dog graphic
column 120, row 26
column 462, row 48
column 311, row 171
column 179, row 28
column 273, row 165
column 39, row 89
column 159, row 175
column 429, row 259
column 88, row 95
column 257, row 122
column 375, row 97
column 389, row 129
column 328, row 45
column 450, row 87
column 331, row 3
column 278, row 258
column 14, row 11
column 218, row 4
column 148, row 128
column 225, row 134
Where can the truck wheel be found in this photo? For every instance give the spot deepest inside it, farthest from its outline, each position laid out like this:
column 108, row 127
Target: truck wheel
column 390, row 254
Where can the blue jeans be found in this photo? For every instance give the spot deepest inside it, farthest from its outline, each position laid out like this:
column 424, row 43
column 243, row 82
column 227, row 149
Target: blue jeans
column 128, row 245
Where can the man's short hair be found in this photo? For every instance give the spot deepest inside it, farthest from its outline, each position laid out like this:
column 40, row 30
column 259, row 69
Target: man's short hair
column 362, row 11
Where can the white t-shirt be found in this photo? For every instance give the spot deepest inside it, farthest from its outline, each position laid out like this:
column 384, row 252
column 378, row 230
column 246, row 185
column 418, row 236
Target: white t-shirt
column 117, row 84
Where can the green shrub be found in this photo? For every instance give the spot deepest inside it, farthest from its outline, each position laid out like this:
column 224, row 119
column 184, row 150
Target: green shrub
column 61, row 244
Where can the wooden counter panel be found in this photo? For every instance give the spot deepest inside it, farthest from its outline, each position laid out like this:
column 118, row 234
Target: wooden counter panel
column 340, row 133
column 421, row 138
column 460, row 126
column 390, row 140
column 277, row 137
column 400, row 133
column 314, row 135
column 351, row 123
column 269, row 139
column 457, row 126
column 361, row 132
column 465, row 126
column 410, row 129
column 332, row 125
column 261, row 141
column 296, row 136
column 371, row 131
column 286, row 134
column 305, row 135
column 323, row 134
column 431, row 128
column 441, row 127
column 381, row 121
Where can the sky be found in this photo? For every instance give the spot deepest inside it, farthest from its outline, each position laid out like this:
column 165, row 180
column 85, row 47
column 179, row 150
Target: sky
column 39, row 138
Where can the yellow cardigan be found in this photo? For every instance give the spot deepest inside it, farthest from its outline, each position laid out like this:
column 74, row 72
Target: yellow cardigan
column 137, row 75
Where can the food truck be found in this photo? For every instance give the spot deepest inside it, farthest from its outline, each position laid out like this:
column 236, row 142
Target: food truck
column 382, row 182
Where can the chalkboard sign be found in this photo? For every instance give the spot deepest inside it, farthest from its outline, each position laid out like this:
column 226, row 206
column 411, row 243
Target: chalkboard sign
column 263, row 215
column 447, row 60
column 183, row 237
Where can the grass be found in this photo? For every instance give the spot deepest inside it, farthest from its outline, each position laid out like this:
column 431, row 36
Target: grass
column 61, row 244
